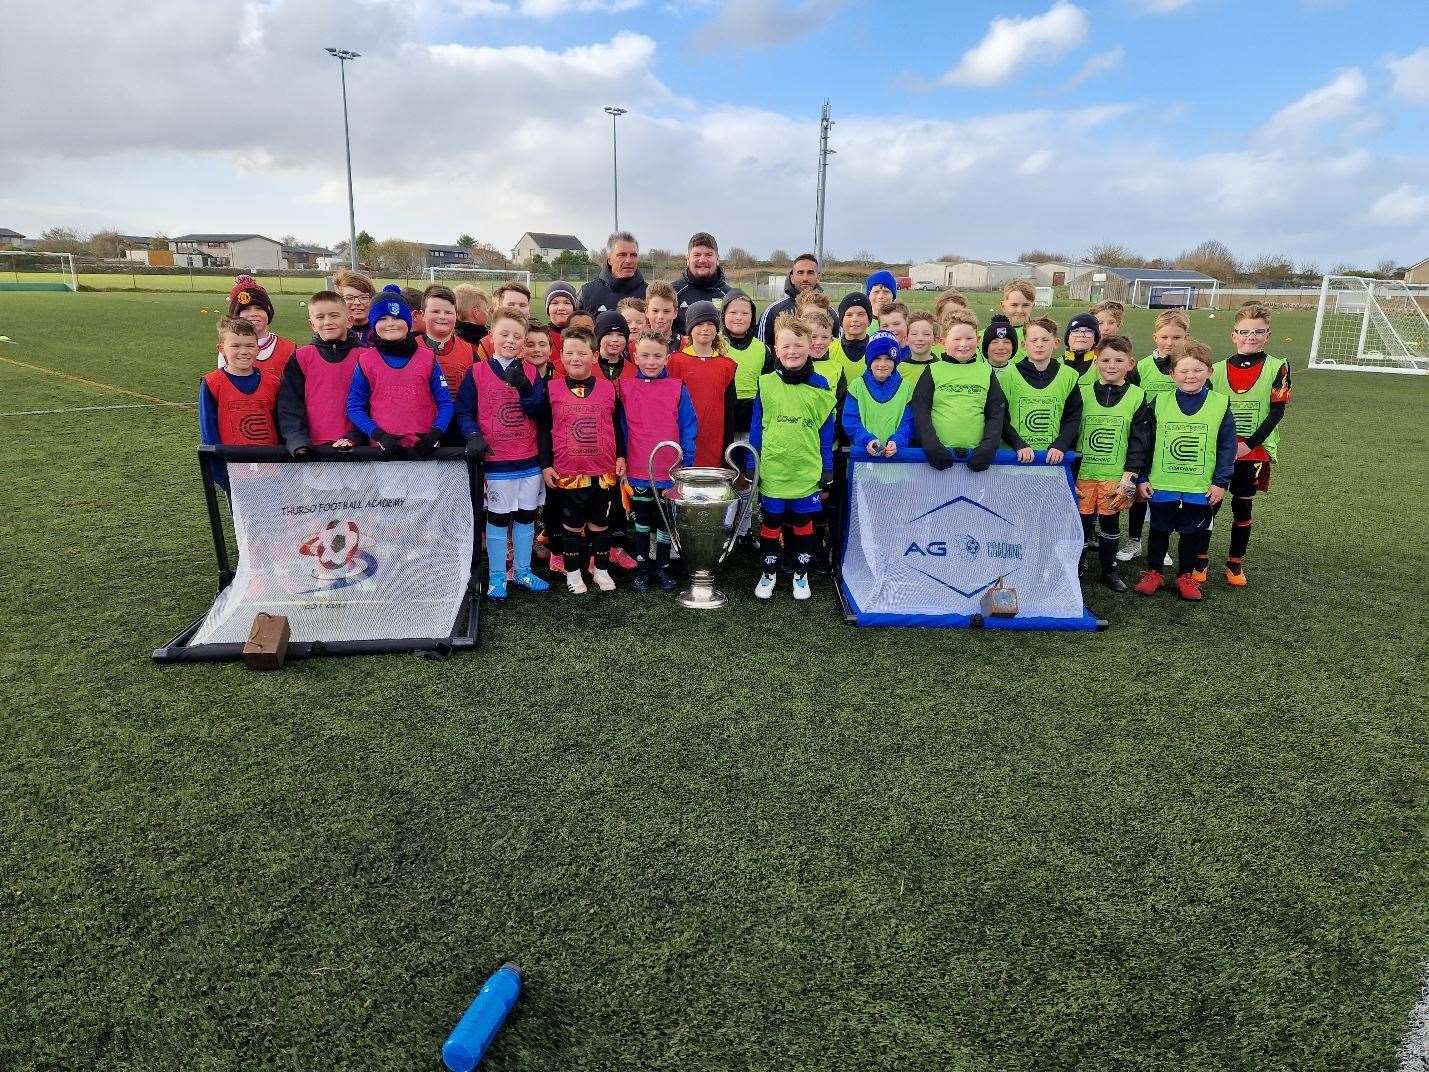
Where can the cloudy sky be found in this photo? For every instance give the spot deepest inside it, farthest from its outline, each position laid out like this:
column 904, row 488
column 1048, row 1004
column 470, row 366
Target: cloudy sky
column 983, row 128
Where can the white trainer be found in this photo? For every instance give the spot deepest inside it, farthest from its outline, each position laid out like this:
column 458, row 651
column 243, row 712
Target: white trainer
column 801, row 587
column 1129, row 550
column 765, row 588
column 575, row 583
column 603, row 580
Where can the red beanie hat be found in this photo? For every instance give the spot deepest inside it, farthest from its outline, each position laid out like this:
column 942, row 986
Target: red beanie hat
column 246, row 292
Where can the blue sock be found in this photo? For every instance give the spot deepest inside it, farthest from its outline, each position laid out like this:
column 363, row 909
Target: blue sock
column 523, row 535
column 496, row 555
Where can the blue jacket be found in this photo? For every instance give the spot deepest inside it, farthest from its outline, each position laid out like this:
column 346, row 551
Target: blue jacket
column 859, row 436
column 689, row 428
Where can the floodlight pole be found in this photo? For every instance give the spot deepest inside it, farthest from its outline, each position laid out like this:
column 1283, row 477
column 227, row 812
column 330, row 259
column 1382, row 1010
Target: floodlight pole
column 615, row 113
column 826, row 121
column 342, row 55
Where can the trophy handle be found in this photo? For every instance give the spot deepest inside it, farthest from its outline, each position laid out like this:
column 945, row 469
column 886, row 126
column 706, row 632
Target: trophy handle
column 746, row 502
column 659, row 494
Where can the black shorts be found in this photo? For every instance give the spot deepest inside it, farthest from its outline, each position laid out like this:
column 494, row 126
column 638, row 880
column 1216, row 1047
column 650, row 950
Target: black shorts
column 592, row 505
column 1248, row 478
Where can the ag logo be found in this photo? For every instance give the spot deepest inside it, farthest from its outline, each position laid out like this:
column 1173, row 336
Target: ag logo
column 969, row 562
column 1036, row 418
column 967, row 547
column 511, row 415
column 1244, row 412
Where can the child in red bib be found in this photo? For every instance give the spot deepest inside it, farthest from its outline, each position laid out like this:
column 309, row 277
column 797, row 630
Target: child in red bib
column 398, row 398
column 583, row 454
column 236, row 402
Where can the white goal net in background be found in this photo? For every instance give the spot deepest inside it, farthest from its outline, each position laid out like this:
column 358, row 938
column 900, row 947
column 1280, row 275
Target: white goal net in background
column 26, row 270
column 488, row 279
column 1371, row 325
column 1172, row 293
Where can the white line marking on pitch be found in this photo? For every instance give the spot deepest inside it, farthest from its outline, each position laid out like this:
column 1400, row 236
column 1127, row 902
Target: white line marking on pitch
column 91, row 409
column 1414, row 1050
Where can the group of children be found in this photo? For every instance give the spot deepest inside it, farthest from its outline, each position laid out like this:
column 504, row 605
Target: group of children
column 565, row 412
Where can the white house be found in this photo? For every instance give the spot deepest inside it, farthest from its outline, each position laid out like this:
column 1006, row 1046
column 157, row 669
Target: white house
column 1418, row 273
column 544, row 245
column 237, row 251
column 968, row 274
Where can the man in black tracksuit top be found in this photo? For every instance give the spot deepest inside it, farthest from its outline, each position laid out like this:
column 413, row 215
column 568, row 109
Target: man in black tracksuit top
column 703, row 278
column 620, row 278
column 804, row 275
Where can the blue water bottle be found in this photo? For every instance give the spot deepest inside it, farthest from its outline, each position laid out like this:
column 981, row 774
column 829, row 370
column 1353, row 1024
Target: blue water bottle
column 467, row 1043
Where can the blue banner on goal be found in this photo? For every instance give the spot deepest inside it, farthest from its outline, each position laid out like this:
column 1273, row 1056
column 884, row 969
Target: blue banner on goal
column 922, row 547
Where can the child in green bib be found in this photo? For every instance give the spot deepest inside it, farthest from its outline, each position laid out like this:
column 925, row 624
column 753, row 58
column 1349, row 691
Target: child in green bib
column 1083, row 336
column 999, row 343
column 958, row 407
column 1258, row 387
column 793, row 431
column 1116, row 427
column 1153, row 375
column 876, row 416
column 1044, row 411
column 1189, row 465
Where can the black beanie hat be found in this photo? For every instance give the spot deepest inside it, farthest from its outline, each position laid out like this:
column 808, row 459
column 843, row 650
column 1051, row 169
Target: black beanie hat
column 1083, row 320
column 560, row 286
column 854, row 298
column 611, row 322
column 701, row 312
column 999, row 327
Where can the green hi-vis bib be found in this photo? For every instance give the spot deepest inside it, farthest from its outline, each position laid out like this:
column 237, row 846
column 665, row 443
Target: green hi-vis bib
column 831, row 369
column 1036, row 412
column 791, row 461
column 1185, row 455
column 748, row 367
column 853, row 366
column 1105, row 433
column 912, row 371
column 1250, row 408
column 960, row 402
column 881, row 418
column 1153, row 381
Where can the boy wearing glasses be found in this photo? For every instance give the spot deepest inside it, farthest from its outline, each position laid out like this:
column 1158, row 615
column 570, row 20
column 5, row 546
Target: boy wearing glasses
column 1258, row 387
column 356, row 291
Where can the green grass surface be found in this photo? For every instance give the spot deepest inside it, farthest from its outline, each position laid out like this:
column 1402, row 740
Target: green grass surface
column 756, row 839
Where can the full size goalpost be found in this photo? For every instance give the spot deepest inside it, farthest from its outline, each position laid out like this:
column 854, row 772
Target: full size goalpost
column 30, row 270
column 1371, row 325
column 485, row 277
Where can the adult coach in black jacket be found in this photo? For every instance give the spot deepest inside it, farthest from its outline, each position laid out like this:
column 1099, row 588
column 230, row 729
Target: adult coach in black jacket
column 703, row 278
column 620, row 278
column 804, row 275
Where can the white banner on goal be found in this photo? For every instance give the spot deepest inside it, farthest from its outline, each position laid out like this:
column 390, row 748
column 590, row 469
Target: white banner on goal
column 922, row 546
column 348, row 551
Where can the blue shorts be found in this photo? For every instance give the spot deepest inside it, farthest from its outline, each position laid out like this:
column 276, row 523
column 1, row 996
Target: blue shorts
column 809, row 504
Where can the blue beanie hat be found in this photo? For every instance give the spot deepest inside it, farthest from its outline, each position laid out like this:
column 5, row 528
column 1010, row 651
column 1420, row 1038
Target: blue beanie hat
column 1083, row 320
column 389, row 303
column 883, row 344
column 884, row 277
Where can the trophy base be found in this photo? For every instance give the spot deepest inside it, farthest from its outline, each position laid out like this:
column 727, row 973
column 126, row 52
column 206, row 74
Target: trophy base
column 702, row 594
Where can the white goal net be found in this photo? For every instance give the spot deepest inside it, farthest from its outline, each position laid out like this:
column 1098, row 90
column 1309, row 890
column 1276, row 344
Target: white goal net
column 1371, row 325
column 27, row 270
column 487, row 279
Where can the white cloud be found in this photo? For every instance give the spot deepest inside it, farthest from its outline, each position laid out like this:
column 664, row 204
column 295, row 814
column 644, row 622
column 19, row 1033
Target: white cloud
column 1010, row 43
column 1411, row 75
column 534, row 9
column 765, row 23
column 1404, row 204
column 1159, row 7
column 1096, row 64
column 1036, row 162
column 1338, row 98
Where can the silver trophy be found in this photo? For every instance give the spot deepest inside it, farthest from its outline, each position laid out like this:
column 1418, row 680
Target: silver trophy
column 700, row 501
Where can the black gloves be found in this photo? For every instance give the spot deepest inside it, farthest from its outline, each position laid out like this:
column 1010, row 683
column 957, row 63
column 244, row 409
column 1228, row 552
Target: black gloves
column 514, row 376
column 304, row 451
column 476, row 447
column 978, row 463
column 389, row 443
column 938, row 456
column 826, row 479
column 427, row 443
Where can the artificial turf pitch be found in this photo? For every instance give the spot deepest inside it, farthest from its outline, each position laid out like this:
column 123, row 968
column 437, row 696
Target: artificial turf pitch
column 754, row 839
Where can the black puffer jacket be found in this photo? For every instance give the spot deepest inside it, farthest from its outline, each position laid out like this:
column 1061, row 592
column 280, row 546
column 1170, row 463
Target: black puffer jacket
column 605, row 291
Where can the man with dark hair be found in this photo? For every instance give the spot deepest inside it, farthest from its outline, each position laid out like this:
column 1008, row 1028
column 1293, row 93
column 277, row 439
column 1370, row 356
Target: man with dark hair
column 620, row 278
column 804, row 275
column 703, row 278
